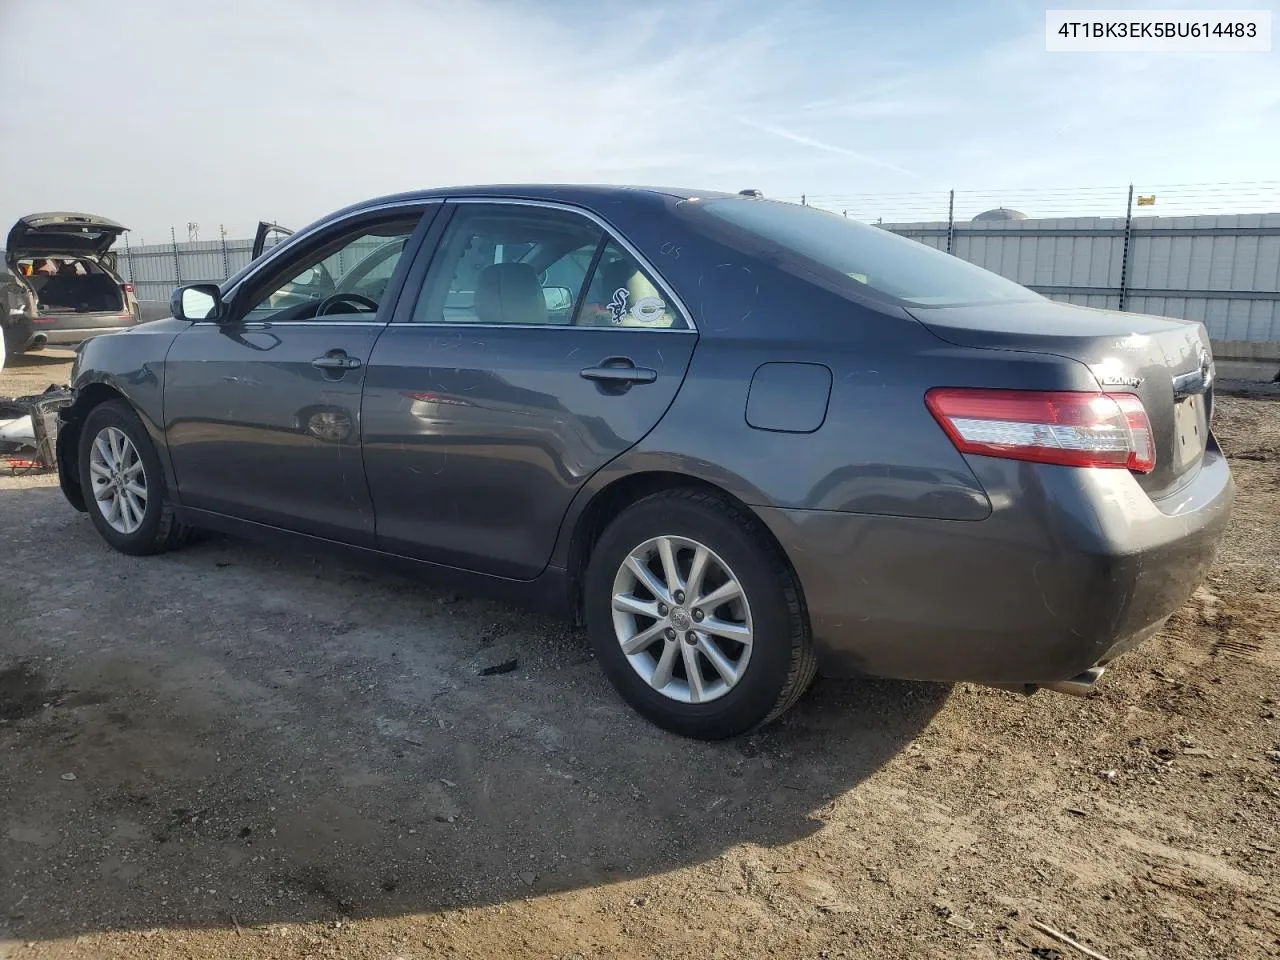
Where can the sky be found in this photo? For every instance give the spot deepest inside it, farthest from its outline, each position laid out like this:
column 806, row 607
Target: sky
column 165, row 112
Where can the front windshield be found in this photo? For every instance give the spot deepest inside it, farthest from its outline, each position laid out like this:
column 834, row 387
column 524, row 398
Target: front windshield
column 888, row 264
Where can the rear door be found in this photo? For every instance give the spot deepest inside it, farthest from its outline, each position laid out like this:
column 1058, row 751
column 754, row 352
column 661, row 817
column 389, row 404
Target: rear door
column 538, row 348
column 262, row 408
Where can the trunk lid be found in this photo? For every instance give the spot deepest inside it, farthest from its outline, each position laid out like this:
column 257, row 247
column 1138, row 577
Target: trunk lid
column 1164, row 361
column 81, row 234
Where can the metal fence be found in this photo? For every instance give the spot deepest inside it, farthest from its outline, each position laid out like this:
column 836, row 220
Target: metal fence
column 1223, row 271
column 1204, row 263
column 155, row 269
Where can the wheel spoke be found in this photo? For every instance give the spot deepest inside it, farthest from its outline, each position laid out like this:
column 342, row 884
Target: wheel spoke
column 133, row 469
column 721, row 594
column 104, row 451
column 644, row 638
column 697, row 570
column 646, row 577
column 670, row 572
column 730, row 631
column 137, row 489
column 99, row 469
column 136, row 508
column 694, row 672
column 666, row 663
column 117, row 449
column 116, row 509
column 718, row 660
column 630, row 603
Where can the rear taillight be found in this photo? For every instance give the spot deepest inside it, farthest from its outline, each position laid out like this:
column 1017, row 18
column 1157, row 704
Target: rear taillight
column 128, row 288
column 1066, row 428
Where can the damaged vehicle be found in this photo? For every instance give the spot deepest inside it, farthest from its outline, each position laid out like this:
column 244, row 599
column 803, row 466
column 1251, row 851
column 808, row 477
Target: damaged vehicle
column 742, row 441
column 60, row 287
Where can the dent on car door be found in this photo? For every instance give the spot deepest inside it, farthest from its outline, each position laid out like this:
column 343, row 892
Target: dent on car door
column 537, row 349
column 262, row 408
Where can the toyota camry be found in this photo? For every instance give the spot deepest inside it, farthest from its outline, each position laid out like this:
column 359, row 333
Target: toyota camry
column 742, row 441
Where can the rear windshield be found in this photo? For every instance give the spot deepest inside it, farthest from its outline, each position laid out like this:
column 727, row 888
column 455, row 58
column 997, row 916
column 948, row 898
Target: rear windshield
column 885, row 262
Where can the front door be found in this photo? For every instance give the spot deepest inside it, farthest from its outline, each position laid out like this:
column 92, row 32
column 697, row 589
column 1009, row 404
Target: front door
column 537, row 350
column 262, row 408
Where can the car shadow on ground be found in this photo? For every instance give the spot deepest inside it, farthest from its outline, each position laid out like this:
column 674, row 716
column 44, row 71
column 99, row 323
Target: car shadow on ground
column 235, row 735
column 36, row 360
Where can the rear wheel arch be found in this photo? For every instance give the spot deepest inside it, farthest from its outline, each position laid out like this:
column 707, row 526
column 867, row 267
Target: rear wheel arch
column 612, row 499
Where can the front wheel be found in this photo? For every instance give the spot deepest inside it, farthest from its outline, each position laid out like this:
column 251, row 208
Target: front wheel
column 123, row 484
column 695, row 617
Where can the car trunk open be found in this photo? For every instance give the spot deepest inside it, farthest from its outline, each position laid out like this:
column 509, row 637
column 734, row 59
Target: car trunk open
column 1165, row 362
column 77, row 285
column 81, row 234
column 59, row 257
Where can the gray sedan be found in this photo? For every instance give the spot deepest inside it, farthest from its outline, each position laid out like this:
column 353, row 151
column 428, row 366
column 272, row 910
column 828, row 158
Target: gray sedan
column 741, row 440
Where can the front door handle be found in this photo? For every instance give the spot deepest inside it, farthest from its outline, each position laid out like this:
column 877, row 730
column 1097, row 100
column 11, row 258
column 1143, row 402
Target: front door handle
column 620, row 371
column 336, row 360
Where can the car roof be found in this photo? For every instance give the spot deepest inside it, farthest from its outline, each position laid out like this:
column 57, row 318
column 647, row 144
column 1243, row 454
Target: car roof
column 582, row 194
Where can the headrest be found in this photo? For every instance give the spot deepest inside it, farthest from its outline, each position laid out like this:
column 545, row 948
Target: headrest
column 510, row 293
column 617, row 274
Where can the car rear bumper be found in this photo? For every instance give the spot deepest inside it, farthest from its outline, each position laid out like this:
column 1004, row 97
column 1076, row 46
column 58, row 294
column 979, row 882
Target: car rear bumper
column 1072, row 568
column 76, row 328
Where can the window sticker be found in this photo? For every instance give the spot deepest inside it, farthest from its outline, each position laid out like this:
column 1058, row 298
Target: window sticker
column 618, row 305
column 648, row 310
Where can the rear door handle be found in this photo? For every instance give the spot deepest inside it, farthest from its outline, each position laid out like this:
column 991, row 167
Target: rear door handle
column 619, row 370
column 336, row 360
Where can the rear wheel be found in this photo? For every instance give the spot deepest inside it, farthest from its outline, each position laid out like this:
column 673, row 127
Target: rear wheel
column 123, row 484
column 695, row 618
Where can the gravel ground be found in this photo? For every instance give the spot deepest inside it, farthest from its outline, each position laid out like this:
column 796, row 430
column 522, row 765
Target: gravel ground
column 230, row 751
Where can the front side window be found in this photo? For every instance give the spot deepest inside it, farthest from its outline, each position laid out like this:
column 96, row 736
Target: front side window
column 892, row 266
column 344, row 279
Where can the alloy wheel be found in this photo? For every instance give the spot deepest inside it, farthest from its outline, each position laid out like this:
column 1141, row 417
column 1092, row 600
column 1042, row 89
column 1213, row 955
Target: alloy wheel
column 682, row 619
column 119, row 480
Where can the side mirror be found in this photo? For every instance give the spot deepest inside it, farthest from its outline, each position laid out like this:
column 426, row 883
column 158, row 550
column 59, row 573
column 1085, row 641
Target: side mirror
column 559, row 299
column 198, row 301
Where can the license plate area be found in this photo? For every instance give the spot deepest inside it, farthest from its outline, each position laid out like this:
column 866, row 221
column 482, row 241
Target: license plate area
column 1191, row 429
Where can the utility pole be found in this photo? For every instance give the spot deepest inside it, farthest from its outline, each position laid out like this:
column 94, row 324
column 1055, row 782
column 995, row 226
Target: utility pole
column 1124, row 254
column 951, row 220
column 173, row 243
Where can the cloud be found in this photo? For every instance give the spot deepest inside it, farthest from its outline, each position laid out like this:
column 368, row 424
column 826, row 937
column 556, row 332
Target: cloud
column 817, row 144
column 227, row 112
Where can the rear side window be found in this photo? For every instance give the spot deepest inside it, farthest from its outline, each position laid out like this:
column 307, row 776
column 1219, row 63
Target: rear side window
column 534, row 266
column 888, row 264
column 622, row 294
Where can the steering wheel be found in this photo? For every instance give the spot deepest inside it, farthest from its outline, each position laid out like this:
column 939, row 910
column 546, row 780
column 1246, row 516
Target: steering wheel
column 357, row 299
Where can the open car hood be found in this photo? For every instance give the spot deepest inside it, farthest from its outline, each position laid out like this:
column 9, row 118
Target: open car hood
column 53, row 233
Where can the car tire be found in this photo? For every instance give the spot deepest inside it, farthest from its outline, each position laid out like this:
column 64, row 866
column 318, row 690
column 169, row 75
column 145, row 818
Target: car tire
column 116, row 453
column 768, row 608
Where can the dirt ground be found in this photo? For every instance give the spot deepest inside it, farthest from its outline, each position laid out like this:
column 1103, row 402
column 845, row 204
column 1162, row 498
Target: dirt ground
column 232, row 752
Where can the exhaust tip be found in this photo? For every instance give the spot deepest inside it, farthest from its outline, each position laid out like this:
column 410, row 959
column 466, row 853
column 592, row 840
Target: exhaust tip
column 38, row 342
column 1081, row 685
